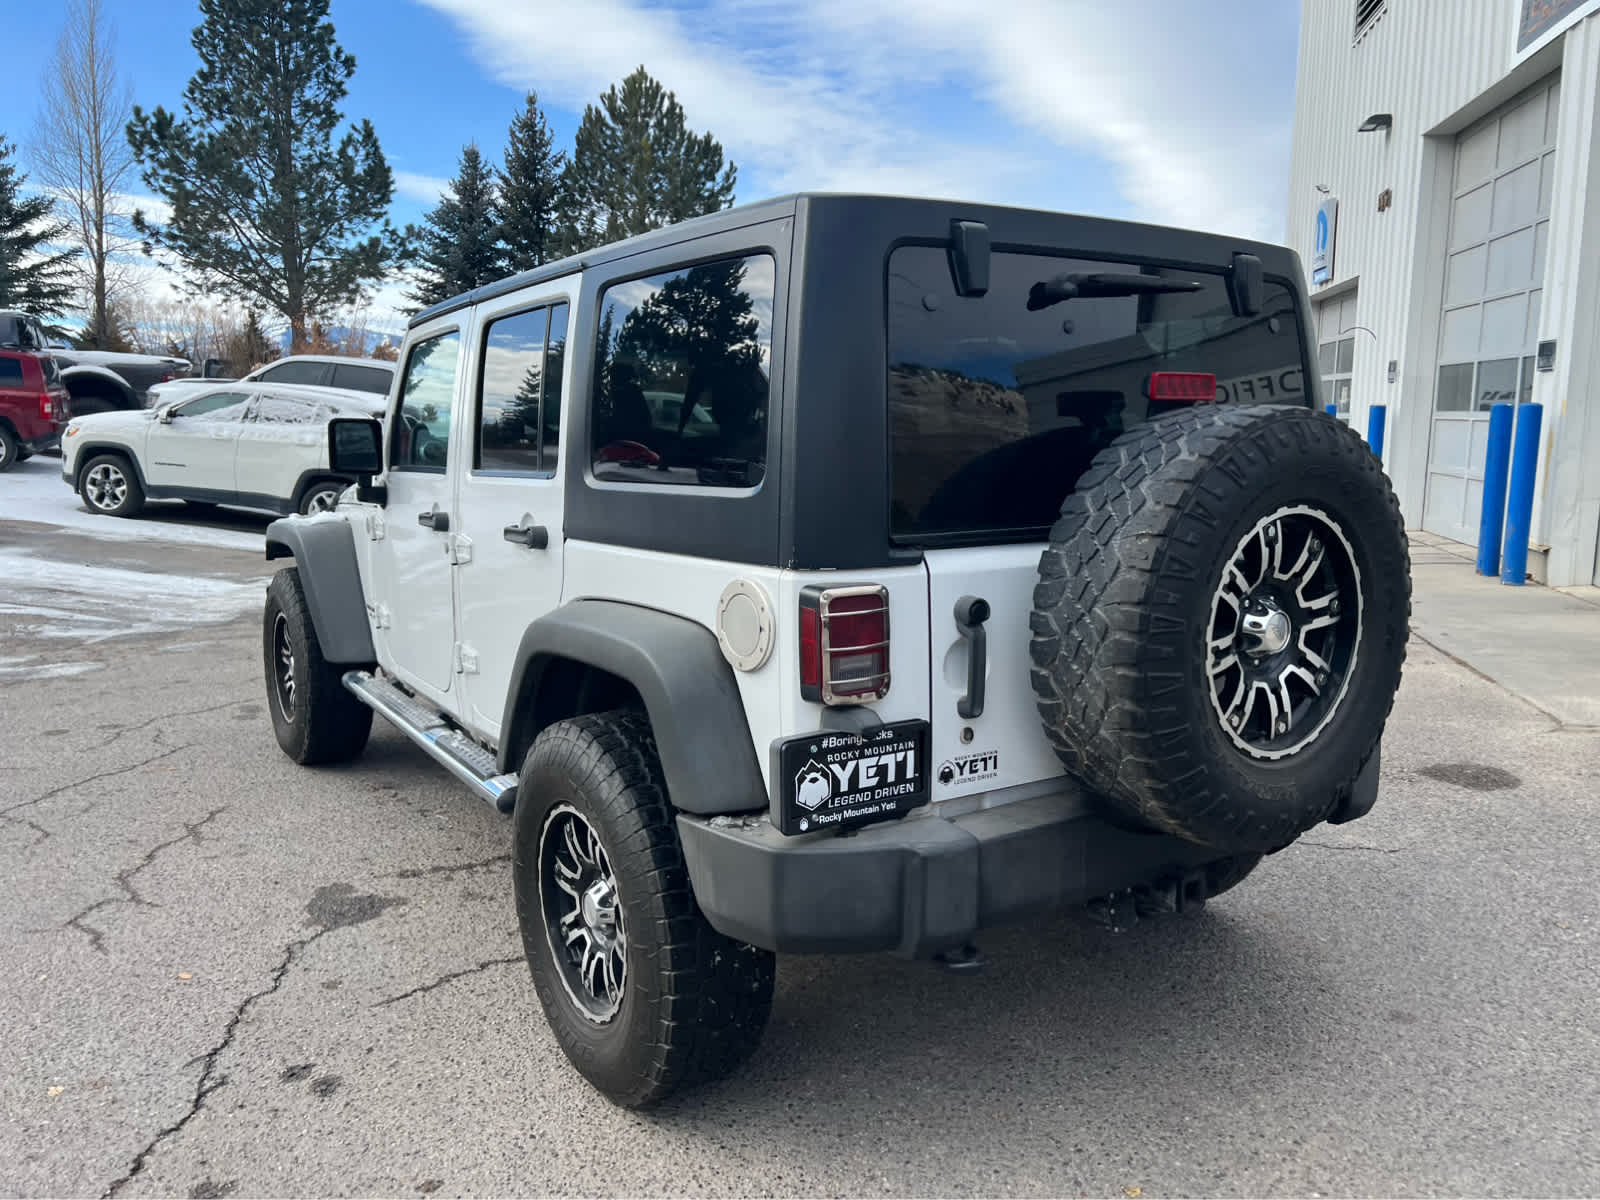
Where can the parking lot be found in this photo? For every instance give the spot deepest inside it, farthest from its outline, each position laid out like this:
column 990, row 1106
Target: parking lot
column 226, row 974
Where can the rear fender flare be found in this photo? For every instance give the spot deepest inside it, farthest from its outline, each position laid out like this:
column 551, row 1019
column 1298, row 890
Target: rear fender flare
column 102, row 378
column 324, row 549
column 689, row 692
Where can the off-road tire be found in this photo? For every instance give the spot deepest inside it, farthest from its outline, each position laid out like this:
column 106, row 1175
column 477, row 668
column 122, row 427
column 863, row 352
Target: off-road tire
column 132, row 500
column 1228, row 873
column 1123, row 614
column 693, row 1002
column 10, row 449
column 318, row 721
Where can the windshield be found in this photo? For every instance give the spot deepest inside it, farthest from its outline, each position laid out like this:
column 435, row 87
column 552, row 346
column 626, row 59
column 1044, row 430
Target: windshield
column 995, row 410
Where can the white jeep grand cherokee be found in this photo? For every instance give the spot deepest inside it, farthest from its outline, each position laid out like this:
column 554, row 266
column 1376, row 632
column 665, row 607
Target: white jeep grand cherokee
column 247, row 444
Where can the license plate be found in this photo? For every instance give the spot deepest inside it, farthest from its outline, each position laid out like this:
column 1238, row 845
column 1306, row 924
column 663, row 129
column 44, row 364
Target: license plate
column 839, row 780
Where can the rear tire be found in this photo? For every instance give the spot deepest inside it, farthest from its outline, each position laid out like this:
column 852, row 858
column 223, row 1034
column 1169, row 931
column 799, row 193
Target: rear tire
column 109, row 485
column 642, row 994
column 10, row 450
column 321, row 496
column 315, row 719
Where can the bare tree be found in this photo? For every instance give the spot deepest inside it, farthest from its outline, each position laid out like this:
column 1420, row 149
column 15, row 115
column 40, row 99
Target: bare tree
column 82, row 153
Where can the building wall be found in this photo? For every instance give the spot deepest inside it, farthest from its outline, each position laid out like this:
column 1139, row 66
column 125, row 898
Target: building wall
column 1438, row 66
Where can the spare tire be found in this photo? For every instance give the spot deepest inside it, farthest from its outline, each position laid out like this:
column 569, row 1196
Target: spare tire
column 1220, row 623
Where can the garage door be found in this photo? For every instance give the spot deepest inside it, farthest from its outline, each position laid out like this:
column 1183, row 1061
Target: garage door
column 1499, row 221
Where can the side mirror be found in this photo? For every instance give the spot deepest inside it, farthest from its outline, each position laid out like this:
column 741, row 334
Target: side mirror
column 355, row 447
column 164, row 414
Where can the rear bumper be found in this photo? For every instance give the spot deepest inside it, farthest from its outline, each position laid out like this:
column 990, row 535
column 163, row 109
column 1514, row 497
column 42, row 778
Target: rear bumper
column 44, row 441
column 919, row 885
column 925, row 884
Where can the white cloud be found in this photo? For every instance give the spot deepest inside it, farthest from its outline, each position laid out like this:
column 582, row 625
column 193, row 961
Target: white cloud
column 937, row 98
column 424, row 189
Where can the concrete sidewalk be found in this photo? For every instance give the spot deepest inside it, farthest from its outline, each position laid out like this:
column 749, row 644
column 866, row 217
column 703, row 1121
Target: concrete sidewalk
column 1543, row 646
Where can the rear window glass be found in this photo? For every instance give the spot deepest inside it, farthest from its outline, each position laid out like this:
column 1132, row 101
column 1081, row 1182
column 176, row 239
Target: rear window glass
column 362, row 379
column 681, row 385
column 995, row 411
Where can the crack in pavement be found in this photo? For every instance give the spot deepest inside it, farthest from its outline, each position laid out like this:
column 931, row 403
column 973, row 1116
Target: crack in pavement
column 124, row 880
column 209, row 1081
column 450, row 977
column 1331, row 846
column 448, row 869
column 77, row 783
column 190, row 712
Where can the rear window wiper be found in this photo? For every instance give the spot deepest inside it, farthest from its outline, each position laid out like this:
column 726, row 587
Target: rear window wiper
column 1102, row 284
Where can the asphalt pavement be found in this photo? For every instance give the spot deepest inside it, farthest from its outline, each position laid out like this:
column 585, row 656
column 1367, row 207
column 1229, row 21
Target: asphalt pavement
column 228, row 975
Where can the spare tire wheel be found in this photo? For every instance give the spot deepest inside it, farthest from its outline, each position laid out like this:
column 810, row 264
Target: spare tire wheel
column 1220, row 623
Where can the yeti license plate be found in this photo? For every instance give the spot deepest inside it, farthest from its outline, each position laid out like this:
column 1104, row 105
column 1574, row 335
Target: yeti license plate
column 834, row 780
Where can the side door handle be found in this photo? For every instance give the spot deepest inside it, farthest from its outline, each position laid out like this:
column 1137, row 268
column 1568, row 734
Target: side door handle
column 435, row 520
column 534, row 537
column 971, row 613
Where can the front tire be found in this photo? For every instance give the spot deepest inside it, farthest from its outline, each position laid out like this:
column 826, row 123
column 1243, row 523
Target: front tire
column 642, row 994
column 315, row 719
column 109, row 486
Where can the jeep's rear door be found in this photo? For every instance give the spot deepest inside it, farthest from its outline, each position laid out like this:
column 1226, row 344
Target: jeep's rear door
column 996, row 409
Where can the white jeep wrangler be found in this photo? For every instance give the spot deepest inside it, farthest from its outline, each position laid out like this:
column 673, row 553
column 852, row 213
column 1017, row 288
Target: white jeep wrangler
column 843, row 573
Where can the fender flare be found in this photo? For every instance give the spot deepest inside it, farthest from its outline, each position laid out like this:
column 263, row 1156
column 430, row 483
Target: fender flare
column 324, row 549
column 103, row 374
column 688, row 689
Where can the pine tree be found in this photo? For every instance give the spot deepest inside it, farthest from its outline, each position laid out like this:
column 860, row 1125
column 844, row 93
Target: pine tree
column 636, row 166
column 530, row 189
column 34, row 276
column 458, row 247
column 266, row 206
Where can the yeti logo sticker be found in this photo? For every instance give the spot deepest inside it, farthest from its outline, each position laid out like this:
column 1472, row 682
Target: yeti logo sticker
column 835, row 780
column 812, row 786
column 970, row 768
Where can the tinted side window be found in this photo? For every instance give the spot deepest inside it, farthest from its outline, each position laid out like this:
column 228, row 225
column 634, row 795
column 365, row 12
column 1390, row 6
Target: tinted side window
column 420, row 440
column 511, row 392
column 295, row 372
column 218, row 406
column 681, row 381
column 362, row 379
column 10, row 372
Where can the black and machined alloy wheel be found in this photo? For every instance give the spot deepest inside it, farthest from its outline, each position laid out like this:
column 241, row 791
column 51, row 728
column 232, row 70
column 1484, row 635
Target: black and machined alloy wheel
column 1220, row 623
column 108, row 485
column 315, row 719
column 321, row 496
column 642, row 994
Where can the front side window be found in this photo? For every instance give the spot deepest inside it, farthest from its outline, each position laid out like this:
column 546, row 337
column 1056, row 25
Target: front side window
column 519, row 392
column 217, row 407
column 682, row 376
column 420, row 439
column 995, row 410
column 294, row 372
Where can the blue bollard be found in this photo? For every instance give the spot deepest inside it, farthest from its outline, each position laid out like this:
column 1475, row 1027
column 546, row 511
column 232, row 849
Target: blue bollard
column 1519, row 496
column 1497, row 462
column 1331, row 409
column 1377, row 414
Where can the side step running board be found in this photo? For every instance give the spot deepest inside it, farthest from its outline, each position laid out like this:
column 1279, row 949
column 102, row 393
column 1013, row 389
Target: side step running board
column 441, row 741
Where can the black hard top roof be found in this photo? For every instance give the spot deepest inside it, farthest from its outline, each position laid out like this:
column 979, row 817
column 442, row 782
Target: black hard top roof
column 783, row 206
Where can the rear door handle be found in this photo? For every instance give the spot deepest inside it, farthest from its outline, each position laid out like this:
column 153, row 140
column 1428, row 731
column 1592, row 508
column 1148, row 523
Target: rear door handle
column 534, row 537
column 971, row 613
column 435, row 520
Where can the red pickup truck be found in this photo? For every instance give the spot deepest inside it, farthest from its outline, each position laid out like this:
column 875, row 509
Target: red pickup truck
column 33, row 405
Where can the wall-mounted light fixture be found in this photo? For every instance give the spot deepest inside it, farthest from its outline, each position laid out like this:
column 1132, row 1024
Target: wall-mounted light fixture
column 1383, row 121
column 1321, row 187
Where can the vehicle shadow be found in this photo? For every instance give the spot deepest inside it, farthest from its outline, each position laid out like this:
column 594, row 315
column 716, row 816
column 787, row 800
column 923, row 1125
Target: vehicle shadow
column 178, row 512
column 1070, row 1026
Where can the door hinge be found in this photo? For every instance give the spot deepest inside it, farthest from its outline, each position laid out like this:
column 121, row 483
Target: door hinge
column 466, row 659
column 375, row 526
column 379, row 614
column 460, row 548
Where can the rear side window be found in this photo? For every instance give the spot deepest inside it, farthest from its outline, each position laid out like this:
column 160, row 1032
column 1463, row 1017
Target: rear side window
column 681, row 381
column 994, row 411
column 421, row 435
column 362, row 379
column 295, row 372
column 10, row 372
column 519, row 392
column 280, row 410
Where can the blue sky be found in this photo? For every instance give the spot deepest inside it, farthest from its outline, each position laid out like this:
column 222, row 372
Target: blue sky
column 1167, row 110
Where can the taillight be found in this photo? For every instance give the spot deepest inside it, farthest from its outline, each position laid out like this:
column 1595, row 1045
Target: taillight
column 844, row 643
column 47, row 406
column 1183, row 387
